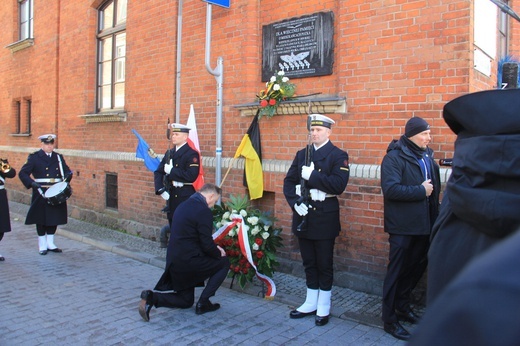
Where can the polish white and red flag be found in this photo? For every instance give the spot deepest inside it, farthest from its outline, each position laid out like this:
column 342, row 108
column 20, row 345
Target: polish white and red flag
column 193, row 142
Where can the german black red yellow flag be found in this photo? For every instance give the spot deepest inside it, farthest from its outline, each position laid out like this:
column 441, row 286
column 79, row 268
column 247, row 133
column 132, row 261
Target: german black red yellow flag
column 251, row 150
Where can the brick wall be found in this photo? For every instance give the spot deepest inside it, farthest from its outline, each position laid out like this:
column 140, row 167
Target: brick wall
column 392, row 60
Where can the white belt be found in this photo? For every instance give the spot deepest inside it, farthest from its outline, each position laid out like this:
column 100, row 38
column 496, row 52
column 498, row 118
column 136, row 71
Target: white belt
column 48, row 180
column 2, row 187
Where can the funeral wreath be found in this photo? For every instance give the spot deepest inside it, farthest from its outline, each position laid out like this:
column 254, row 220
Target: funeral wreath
column 262, row 236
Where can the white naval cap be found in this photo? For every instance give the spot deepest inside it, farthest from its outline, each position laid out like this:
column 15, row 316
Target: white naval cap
column 175, row 127
column 48, row 138
column 321, row 120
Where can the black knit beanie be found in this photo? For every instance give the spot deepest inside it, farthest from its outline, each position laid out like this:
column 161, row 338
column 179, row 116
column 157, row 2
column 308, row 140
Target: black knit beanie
column 414, row 126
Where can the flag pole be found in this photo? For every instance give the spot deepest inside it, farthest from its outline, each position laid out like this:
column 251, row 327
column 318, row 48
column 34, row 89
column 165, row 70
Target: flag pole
column 227, row 172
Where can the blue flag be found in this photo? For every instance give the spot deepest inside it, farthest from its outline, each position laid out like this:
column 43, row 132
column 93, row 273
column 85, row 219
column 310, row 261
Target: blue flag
column 143, row 151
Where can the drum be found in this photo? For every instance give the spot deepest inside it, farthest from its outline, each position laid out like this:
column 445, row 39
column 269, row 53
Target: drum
column 58, row 193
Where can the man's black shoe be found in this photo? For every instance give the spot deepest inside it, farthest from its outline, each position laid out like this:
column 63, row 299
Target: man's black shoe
column 408, row 316
column 57, row 250
column 145, row 305
column 299, row 314
column 321, row 320
column 202, row 308
column 397, row 331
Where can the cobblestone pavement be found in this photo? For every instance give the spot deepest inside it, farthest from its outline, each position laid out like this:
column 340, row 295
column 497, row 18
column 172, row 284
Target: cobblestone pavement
column 89, row 294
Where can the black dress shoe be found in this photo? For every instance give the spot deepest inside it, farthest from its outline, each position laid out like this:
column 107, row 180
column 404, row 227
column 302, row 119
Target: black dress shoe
column 202, row 308
column 321, row 320
column 299, row 314
column 408, row 316
column 397, row 331
column 2, row 258
column 43, row 252
column 145, row 305
column 57, row 250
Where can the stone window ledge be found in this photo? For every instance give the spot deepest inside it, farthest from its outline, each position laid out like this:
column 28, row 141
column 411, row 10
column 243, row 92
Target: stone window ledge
column 106, row 117
column 322, row 105
column 19, row 45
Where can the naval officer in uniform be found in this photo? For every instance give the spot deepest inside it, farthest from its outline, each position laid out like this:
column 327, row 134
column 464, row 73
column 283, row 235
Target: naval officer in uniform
column 177, row 171
column 324, row 179
column 43, row 169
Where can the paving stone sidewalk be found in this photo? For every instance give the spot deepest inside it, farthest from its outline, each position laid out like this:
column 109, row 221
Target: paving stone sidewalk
column 350, row 306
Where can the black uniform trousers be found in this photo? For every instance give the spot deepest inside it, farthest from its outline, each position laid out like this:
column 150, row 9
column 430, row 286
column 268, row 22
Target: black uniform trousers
column 43, row 229
column 317, row 256
column 184, row 298
column 407, row 263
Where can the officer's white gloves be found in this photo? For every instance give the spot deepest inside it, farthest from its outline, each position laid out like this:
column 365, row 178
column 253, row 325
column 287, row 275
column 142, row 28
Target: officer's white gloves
column 177, row 184
column 317, row 195
column 301, row 209
column 168, row 167
column 165, row 195
column 307, row 171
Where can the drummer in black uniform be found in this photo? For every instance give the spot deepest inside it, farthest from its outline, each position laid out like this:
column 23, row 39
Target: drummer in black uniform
column 47, row 168
column 177, row 171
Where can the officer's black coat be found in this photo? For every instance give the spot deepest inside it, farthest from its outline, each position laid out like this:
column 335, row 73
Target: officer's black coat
column 5, row 221
column 331, row 174
column 40, row 166
column 186, row 164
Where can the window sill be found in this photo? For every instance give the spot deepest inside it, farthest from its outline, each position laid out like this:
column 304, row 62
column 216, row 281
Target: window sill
column 19, row 45
column 20, row 134
column 298, row 106
column 107, row 117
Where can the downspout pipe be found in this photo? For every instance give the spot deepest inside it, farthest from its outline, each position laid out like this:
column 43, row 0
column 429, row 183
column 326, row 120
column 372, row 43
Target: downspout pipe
column 218, row 74
column 178, row 67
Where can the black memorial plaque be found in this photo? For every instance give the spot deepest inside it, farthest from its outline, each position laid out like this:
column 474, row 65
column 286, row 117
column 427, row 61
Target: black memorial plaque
column 301, row 47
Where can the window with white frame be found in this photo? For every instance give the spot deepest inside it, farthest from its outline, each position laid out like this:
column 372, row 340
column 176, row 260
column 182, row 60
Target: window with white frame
column 26, row 13
column 111, row 55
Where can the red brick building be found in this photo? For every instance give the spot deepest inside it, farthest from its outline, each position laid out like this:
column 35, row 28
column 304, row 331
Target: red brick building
column 91, row 71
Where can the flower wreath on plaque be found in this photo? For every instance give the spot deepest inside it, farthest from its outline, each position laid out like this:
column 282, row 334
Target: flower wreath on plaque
column 277, row 89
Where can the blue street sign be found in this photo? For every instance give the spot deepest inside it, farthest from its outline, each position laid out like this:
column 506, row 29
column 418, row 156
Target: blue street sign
column 223, row 3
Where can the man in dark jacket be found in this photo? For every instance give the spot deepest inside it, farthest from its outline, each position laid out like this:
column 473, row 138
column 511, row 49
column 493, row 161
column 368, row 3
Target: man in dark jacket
column 482, row 197
column 410, row 183
column 324, row 179
column 192, row 257
column 47, row 168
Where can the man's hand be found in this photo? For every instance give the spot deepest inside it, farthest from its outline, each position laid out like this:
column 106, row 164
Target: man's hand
column 428, row 187
column 168, row 167
column 301, row 209
column 317, row 195
column 222, row 251
column 165, row 195
column 307, row 171
column 35, row 185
